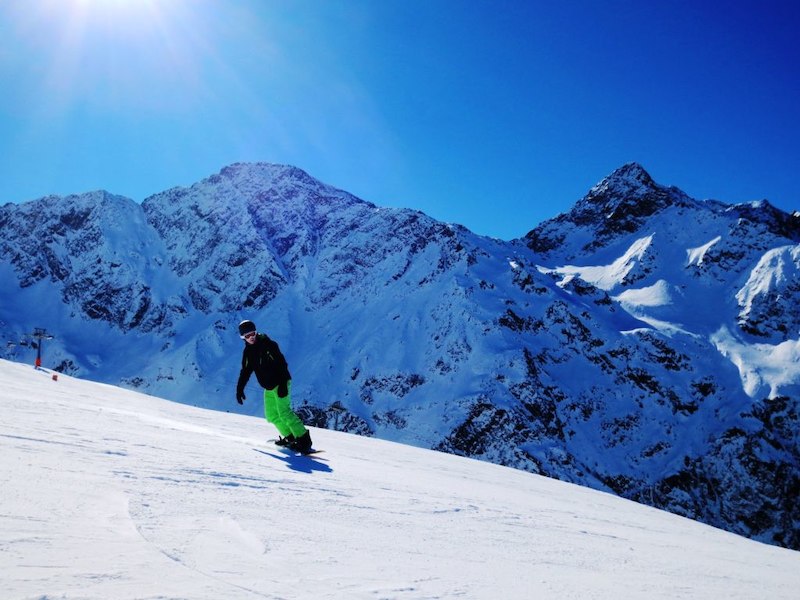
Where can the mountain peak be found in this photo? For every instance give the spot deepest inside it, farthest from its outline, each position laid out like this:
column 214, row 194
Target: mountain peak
column 264, row 169
column 260, row 174
column 619, row 204
column 629, row 180
column 262, row 179
column 626, row 197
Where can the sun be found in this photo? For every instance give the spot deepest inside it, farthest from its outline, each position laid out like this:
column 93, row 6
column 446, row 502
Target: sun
column 91, row 54
column 122, row 14
column 119, row 4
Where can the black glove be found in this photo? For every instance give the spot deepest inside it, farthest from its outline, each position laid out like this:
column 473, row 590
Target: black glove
column 283, row 390
column 240, row 396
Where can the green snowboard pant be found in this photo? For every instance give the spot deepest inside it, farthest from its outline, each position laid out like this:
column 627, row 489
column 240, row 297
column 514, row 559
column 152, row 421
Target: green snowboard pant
column 278, row 411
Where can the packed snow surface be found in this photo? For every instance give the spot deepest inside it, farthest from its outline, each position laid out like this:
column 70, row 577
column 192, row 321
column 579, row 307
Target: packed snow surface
column 111, row 494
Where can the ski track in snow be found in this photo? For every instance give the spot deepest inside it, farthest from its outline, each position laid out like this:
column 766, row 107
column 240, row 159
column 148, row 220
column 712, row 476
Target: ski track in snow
column 112, row 494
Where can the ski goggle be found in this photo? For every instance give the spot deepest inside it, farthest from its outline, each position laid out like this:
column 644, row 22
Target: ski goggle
column 249, row 335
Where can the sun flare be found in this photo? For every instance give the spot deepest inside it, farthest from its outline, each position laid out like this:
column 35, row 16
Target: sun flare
column 105, row 53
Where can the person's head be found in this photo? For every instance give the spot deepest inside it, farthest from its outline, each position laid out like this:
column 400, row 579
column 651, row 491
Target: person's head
column 247, row 331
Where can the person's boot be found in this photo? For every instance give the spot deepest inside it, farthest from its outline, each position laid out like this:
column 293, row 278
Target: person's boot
column 285, row 441
column 302, row 444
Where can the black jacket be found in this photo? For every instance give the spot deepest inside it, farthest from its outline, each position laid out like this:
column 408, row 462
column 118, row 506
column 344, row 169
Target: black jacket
column 263, row 357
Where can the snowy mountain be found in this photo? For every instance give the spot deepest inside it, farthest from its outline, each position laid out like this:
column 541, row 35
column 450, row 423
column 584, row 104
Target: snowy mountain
column 110, row 494
column 645, row 343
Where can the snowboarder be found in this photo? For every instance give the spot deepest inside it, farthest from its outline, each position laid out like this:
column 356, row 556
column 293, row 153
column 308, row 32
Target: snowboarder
column 263, row 356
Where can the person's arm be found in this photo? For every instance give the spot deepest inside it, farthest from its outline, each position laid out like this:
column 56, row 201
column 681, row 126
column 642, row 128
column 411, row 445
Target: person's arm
column 244, row 377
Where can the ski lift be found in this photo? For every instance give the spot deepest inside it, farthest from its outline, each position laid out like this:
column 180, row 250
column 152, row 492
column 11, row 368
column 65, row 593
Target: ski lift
column 39, row 334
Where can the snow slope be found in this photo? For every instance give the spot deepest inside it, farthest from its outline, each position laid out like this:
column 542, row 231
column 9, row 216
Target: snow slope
column 108, row 493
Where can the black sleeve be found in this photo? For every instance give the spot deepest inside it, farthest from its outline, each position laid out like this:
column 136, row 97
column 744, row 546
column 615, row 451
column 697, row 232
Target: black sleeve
column 244, row 374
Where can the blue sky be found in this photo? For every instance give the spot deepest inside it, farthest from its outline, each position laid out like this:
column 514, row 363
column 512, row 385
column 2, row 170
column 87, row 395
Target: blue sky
column 493, row 114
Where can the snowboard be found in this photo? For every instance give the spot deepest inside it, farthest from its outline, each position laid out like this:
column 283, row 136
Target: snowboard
column 295, row 452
